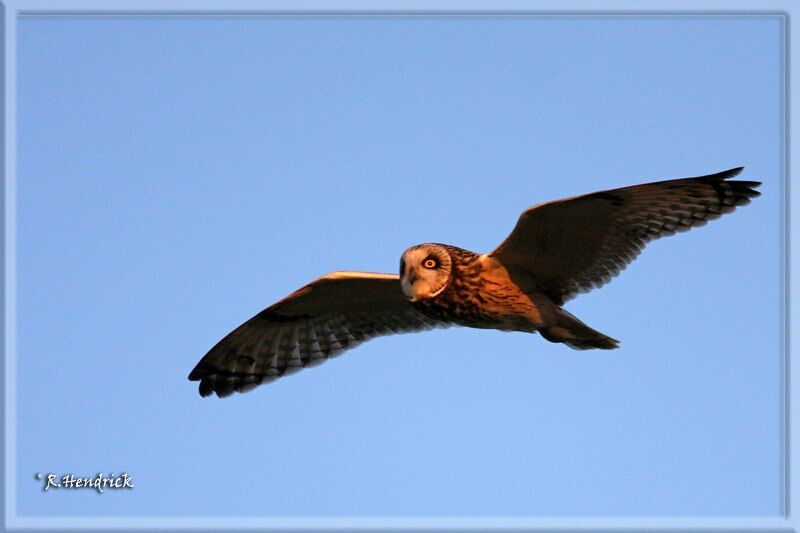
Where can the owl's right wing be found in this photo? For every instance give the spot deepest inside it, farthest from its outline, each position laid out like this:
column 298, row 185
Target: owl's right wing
column 332, row 314
column 569, row 246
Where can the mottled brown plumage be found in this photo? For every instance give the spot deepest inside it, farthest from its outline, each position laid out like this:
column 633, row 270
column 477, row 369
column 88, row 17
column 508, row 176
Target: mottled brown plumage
column 478, row 296
column 556, row 250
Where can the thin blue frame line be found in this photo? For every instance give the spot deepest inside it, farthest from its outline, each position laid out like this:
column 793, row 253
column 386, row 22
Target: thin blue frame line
column 387, row 13
column 786, row 429
column 480, row 523
column 10, row 290
column 595, row 523
column 427, row 6
column 4, row 463
column 793, row 199
column 787, row 275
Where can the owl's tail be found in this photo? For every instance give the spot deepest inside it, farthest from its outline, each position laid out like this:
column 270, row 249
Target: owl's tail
column 576, row 334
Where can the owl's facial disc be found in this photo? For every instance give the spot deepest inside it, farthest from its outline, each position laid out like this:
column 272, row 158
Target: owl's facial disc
column 424, row 271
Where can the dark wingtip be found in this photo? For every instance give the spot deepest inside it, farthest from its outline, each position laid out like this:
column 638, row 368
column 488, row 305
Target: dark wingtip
column 224, row 383
column 748, row 188
column 204, row 373
column 743, row 191
column 201, row 370
column 725, row 174
column 212, row 385
column 734, row 171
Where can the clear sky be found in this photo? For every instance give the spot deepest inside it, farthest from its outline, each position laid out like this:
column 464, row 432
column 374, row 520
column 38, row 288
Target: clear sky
column 175, row 176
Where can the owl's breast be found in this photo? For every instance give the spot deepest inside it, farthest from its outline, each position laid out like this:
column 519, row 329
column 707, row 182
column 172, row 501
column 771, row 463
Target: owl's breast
column 440, row 308
column 481, row 305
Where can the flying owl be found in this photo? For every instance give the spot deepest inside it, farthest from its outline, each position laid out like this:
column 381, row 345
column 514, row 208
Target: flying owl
column 557, row 250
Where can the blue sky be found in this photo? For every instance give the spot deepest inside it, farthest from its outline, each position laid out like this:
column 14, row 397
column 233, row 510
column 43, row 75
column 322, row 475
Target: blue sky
column 177, row 175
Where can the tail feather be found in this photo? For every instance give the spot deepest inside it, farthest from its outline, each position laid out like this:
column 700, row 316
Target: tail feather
column 577, row 335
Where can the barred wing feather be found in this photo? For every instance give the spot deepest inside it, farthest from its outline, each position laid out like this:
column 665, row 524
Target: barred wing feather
column 570, row 246
column 332, row 314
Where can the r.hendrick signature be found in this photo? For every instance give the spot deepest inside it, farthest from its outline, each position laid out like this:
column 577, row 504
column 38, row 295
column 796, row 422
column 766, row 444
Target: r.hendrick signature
column 98, row 483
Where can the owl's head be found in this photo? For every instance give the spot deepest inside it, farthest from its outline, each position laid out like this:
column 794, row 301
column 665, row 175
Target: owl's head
column 425, row 271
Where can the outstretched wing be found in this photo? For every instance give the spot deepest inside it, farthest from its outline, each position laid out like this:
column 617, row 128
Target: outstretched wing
column 570, row 246
column 332, row 314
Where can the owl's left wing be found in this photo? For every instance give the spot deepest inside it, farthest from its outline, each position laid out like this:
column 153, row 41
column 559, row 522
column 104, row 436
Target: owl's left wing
column 332, row 314
column 569, row 246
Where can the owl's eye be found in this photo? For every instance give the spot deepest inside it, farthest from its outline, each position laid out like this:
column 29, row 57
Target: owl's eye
column 429, row 263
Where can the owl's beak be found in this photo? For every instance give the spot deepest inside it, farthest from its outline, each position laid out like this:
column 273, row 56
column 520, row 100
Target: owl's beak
column 412, row 277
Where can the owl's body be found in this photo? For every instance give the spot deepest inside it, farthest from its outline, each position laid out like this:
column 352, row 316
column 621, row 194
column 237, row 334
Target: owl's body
column 478, row 295
column 556, row 250
column 481, row 294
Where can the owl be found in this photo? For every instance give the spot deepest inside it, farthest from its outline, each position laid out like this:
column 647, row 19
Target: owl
column 556, row 250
